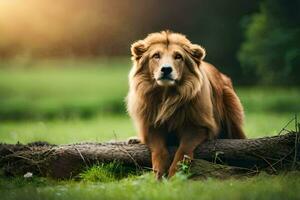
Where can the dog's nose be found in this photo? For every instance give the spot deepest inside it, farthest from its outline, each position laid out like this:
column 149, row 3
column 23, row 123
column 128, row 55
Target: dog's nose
column 166, row 70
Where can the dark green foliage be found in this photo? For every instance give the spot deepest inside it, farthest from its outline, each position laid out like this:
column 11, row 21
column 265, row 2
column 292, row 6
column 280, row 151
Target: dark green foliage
column 271, row 51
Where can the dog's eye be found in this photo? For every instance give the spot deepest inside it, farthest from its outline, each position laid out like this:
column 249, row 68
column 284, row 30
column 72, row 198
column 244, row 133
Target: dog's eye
column 156, row 56
column 178, row 56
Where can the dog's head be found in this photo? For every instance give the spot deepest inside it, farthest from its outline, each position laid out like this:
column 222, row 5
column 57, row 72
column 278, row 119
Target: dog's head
column 168, row 58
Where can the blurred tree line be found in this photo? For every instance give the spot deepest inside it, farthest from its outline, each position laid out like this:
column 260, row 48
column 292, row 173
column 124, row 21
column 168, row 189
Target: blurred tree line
column 252, row 41
column 271, row 50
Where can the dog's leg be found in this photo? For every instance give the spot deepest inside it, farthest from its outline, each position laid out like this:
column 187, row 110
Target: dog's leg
column 188, row 142
column 159, row 153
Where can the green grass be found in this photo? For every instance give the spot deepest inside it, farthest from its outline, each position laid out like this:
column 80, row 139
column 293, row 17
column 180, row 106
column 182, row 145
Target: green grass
column 99, row 129
column 62, row 89
column 270, row 99
column 58, row 89
column 113, row 171
column 114, row 127
column 68, row 101
column 145, row 187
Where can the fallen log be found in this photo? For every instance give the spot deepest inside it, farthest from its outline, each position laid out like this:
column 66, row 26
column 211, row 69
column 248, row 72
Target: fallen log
column 63, row 161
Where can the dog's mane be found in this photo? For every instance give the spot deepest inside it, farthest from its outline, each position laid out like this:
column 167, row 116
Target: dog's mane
column 157, row 104
column 166, row 37
column 203, row 98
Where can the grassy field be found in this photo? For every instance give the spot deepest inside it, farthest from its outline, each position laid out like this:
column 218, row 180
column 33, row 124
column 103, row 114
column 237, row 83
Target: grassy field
column 145, row 187
column 114, row 127
column 70, row 88
column 67, row 101
column 62, row 89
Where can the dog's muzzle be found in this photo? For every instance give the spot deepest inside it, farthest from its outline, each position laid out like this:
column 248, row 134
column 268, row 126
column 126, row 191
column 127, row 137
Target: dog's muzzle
column 166, row 78
column 166, row 73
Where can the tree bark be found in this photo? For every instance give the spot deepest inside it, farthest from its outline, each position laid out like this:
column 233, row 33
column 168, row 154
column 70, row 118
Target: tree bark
column 63, row 161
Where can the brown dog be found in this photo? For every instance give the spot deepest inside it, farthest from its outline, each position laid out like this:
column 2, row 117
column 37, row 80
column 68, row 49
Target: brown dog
column 175, row 96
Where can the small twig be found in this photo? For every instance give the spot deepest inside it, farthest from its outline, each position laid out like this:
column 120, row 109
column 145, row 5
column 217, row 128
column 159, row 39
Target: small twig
column 115, row 135
column 130, row 156
column 149, row 168
column 47, row 152
column 8, row 149
column 82, row 157
column 18, row 156
column 281, row 159
column 296, row 143
column 284, row 128
column 216, row 157
column 266, row 162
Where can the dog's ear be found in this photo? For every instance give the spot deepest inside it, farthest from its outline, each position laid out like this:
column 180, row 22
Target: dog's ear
column 197, row 52
column 137, row 49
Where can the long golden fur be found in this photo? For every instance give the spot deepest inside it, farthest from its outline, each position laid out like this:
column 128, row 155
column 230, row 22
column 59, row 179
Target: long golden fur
column 196, row 102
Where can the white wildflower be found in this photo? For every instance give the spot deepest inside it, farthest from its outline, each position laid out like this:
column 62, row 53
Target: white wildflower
column 28, row 175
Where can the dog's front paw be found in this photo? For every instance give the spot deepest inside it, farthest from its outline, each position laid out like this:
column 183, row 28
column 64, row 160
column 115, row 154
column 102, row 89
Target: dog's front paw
column 133, row 140
column 158, row 175
column 172, row 171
